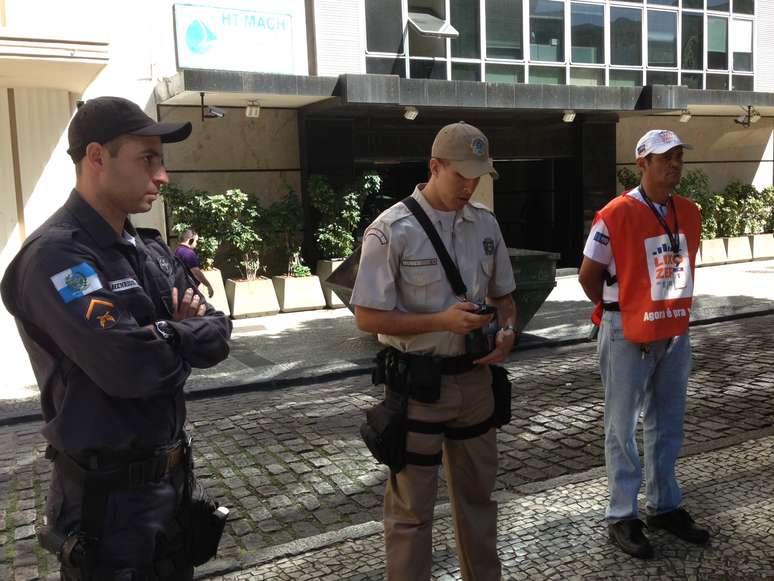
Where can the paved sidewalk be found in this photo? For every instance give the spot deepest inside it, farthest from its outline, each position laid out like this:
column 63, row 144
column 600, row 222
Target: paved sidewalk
column 296, row 348
column 291, row 466
column 558, row 532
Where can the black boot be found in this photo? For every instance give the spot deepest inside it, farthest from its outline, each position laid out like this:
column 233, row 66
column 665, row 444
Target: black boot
column 681, row 524
column 628, row 535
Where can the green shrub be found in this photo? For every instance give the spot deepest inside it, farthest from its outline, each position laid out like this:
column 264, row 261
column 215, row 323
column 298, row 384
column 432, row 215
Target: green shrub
column 281, row 225
column 339, row 212
column 627, row 178
column 228, row 218
column 193, row 209
column 695, row 185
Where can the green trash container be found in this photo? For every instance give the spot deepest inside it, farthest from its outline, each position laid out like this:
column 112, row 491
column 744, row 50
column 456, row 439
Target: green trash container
column 534, row 271
column 535, row 274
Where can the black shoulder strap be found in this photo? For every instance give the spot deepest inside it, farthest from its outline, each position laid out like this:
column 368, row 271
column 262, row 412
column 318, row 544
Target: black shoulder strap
column 452, row 273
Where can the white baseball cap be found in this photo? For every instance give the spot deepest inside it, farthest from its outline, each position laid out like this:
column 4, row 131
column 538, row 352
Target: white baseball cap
column 658, row 141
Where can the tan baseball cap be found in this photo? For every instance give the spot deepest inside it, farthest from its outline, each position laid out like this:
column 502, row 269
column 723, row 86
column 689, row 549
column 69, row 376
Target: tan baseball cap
column 466, row 148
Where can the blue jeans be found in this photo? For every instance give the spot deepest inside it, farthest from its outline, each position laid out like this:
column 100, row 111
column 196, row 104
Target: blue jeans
column 654, row 385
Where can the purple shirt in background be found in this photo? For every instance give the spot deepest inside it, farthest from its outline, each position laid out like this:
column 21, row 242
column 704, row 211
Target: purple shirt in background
column 187, row 256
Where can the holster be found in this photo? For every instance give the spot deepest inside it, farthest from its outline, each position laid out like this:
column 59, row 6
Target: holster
column 385, row 429
column 199, row 517
column 501, row 389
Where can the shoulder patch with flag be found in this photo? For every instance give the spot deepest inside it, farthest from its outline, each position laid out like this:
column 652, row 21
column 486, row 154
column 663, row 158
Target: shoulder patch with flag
column 76, row 282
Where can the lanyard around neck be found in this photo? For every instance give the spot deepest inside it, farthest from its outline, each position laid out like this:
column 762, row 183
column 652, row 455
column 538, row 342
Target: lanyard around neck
column 674, row 237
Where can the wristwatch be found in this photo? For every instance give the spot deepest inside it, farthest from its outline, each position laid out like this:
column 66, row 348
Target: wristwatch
column 508, row 329
column 167, row 332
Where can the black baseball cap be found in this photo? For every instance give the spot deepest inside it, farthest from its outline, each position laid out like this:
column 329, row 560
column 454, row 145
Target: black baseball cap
column 105, row 118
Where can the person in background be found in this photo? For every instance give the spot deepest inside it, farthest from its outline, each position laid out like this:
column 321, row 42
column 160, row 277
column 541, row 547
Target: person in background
column 186, row 253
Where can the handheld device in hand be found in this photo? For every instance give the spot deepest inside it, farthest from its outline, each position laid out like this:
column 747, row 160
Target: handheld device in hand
column 479, row 342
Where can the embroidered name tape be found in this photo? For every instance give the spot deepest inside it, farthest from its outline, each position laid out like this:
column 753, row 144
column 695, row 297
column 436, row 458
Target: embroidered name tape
column 123, row 284
column 76, row 282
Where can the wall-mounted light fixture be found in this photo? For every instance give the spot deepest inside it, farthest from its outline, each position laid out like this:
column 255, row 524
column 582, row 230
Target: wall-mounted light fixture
column 410, row 112
column 253, row 109
column 749, row 117
column 568, row 116
column 210, row 112
column 685, row 116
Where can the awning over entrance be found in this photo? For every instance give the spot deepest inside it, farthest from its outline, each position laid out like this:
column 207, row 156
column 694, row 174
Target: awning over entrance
column 49, row 62
column 236, row 89
column 356, row 92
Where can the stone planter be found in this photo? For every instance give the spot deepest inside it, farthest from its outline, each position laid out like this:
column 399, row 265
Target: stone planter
column 713, row 252
column 218, row 298
column 738, row 249
column 324, row 270
column 762, row 246
column 302, row 293
column 251, row 298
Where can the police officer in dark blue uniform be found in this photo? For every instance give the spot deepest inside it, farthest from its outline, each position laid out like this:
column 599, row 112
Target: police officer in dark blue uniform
column 113, row 325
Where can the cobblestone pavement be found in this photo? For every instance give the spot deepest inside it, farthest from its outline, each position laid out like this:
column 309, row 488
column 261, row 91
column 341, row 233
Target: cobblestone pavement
column 290, row 464
column 559, row 533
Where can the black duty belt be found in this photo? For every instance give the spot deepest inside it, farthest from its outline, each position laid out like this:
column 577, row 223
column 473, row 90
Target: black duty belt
column 456, row 365
column 611, row 306
column 121, row 469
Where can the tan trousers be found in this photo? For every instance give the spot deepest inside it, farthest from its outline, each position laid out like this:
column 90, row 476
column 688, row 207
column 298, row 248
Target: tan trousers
column 471, row 468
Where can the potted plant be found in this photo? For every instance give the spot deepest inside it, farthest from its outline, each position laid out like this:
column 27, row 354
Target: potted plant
column 297, row 289
column 194, row 209
column 339, row 216
column 251, row 295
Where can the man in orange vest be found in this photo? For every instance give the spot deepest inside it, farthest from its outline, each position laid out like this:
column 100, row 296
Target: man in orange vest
column 638, row 268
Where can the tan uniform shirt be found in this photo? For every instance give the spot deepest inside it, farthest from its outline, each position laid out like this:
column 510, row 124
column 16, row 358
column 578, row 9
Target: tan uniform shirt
column 399, row 268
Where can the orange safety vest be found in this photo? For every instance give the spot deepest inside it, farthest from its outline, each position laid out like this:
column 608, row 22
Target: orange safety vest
column 655, row 286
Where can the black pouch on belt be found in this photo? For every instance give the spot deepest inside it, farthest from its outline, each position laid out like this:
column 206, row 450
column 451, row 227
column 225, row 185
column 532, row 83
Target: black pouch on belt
column 424, row 378
column 384, row 431
column 202, row 520
column 501, row 388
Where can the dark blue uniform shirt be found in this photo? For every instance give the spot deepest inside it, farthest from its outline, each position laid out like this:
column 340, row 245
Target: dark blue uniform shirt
column 83, row 299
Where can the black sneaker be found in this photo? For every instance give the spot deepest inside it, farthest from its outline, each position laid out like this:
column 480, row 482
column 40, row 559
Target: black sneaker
column 628, row 535
column 681, row 524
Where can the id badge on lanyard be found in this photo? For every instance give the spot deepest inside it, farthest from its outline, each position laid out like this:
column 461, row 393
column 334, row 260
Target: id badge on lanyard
column 679, row 275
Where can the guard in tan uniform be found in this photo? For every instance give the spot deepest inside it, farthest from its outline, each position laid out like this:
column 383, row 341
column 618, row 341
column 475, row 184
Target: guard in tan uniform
column 403, row 293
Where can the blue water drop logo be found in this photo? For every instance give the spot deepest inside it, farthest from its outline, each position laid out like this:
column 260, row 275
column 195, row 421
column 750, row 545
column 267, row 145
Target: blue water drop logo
column 199, row 37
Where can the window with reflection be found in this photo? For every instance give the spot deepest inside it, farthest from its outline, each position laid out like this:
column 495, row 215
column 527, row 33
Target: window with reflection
column 661, row 78
column 496, row 73
column 384, row 26
column 465, row 18
column 625, row 36
column 742, row 45
column 588, row 33
column 744, row 6
column 587, row 77
column 717, row 42
column 717, row 82
column 546, row 75
column 546, row 24
column 662, row 39
column 742, row 83
column 466, row 71
column 720, row 5
column 428, row 69
column 693, row 41
column 694, row 4
column 504, row 25
column 692, row 80
column 386, row 66
column 625, row 78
